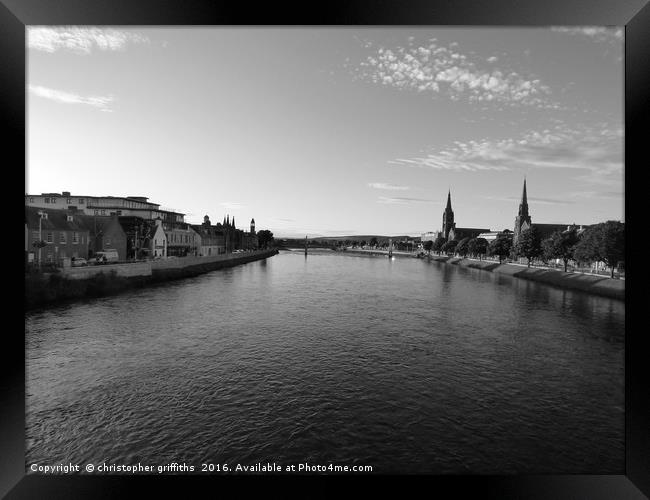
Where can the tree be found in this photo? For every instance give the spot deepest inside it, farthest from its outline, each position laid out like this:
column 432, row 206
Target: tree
column 362, row 243
column 428, row 245
column 561, row 245
column 373, row 242
column 477, row 246
column 462, row 248
column 604, row 242
column 437, row 245
column 500, row 247
column 450, row 246
column 529, row 244
column 264, row 238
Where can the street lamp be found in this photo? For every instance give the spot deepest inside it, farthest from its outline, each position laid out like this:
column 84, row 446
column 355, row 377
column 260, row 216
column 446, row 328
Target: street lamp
column 40, row 235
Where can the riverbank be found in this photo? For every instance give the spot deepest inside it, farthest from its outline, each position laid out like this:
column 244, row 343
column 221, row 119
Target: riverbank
column 99, row 281
column 597, row 285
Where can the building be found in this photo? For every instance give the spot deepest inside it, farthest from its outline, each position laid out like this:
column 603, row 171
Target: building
column 182, row 240
column 430, row 236
column 212, row 238
column 523, row 221
column 459, row 233
column 493, row 235
column 105, row 206
column 449, row 229
column 106, row 233
column 448, row 218
column 63, row 233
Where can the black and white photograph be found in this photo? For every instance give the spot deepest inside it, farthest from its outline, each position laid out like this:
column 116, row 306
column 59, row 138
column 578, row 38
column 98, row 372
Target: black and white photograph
column 353, row 250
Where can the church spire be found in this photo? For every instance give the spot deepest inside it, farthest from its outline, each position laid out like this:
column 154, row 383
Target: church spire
column 523, row 206
column 448, row 218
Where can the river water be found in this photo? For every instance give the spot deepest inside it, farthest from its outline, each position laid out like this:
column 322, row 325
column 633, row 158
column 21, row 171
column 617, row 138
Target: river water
column 405, row 365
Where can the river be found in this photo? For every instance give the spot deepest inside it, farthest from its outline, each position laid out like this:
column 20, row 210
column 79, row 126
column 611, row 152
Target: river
column 404, row 365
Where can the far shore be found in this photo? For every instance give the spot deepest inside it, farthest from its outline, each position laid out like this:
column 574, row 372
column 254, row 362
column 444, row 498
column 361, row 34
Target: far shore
column 603, row 286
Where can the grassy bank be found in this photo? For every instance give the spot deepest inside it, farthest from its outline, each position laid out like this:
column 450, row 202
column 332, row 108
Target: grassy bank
column 595, row 284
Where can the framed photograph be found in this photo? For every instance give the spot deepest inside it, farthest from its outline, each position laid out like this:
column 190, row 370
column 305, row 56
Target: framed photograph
column 397, row 245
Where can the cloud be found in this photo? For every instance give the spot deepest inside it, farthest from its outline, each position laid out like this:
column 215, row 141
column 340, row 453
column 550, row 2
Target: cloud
column 596, row 151
column 596, row 33
column 231, row 206
column 80, row 40
column 541, row 201
column 443, row 71
column 403, row 201
column 389, row 187
column 99, row 102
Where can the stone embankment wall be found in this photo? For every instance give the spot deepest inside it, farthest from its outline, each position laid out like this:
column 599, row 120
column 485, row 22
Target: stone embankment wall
column 596, row 284
column 98, row 281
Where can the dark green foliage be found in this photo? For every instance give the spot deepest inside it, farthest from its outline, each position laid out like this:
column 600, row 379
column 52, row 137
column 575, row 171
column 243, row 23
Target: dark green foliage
column 462, row 248
column 561, row 245
column 428, row 245
column 604, row 242
column 500, row 247
column 478, row 246
column 529, row 244
column 264, row 238
column 437, row 245
column 450, row 246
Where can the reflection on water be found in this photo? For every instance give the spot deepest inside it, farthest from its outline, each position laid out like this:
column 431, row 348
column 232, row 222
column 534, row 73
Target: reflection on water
column 404, row 365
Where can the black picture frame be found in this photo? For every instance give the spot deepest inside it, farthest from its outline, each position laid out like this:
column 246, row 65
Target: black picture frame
column 15, row 15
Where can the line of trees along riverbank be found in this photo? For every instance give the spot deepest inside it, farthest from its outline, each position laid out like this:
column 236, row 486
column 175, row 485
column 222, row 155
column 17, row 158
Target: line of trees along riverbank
column 604, row 242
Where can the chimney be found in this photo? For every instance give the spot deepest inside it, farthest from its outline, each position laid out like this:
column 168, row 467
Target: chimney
column 66, row 193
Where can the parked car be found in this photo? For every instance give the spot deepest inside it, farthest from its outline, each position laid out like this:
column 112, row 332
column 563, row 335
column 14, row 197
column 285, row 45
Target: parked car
column 79, row 261
column 106, row 256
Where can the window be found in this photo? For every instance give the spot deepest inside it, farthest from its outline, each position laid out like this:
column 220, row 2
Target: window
column 31, row 200
column 62, row 237
column 81, row 201
column 96, row 212
column 70, row 218
column 35, row 235
column 103, row 212
column 46, row 200
column 75, row 238
column 53, row 200
column 107, row 242
column 68, row 201
column 49, row 237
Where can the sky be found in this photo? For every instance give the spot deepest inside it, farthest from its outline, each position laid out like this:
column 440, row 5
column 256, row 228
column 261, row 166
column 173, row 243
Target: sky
column 333, row 131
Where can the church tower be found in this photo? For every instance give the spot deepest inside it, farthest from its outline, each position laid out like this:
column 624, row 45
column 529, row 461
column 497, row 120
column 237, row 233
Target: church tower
column 252, row 226
column 448, row 218
column 523, row 220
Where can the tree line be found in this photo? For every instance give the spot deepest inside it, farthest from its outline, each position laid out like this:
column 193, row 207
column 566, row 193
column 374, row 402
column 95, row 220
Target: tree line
column 604, row 242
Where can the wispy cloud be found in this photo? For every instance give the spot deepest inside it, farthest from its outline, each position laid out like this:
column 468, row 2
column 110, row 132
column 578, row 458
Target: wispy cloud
column 401, row 201
column 597, row 151
column 443, row 71
column 231, row 206
column 596, row 33
column 80, row 40
column 100, row 102
column 388, row 187
column 540, row 201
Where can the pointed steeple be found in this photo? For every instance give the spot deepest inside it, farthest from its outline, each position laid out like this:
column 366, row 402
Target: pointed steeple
column 523, row 206
column 448, row 217
column 228, row 219
column 233, row 221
